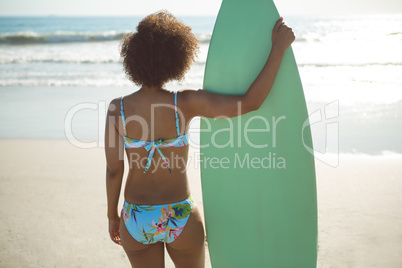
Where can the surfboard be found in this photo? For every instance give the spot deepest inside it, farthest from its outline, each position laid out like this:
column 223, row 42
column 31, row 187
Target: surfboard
column 258, row 178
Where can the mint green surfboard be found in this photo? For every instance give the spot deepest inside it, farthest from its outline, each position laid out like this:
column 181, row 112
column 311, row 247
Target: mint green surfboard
column 258, row 179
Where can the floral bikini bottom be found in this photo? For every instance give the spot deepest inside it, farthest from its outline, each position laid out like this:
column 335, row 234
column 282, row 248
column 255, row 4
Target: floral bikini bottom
column 149, row 224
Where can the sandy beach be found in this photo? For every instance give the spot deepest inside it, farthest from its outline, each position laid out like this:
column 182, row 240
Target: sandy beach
column 53, row 208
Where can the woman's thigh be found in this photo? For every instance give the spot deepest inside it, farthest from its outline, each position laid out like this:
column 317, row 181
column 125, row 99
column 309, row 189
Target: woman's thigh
column 141, row 255
column 188, row 250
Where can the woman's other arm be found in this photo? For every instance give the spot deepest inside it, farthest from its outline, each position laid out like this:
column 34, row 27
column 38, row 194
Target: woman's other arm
column 114, row 151
column 207, row 104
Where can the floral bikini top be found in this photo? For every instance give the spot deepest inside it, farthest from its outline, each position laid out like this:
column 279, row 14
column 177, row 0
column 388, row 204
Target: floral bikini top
column 179, row 141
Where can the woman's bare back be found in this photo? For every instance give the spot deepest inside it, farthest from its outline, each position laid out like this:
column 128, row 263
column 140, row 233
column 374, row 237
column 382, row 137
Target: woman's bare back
column 151, row 116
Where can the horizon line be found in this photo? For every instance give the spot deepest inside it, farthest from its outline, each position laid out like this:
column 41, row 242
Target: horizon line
column 199, row 15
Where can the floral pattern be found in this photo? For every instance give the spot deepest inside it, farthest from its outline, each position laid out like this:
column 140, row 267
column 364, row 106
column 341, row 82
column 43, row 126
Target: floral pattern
column 149, row 224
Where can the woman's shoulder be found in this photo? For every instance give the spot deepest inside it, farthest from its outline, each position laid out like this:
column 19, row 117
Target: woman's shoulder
column 188, row 92
column 188, row 96
column 117, row 102
column 114, row 106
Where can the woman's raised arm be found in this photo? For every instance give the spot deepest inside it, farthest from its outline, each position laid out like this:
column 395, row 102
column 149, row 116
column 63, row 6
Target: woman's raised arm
column 207, row 104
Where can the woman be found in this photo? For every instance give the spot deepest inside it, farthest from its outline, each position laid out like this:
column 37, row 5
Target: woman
column 152, row 125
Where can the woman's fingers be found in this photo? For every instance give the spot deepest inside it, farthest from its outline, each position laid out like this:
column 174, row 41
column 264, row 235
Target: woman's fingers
column 282, row 35
column 283, row 26
column 116, row 238
column 278, row 23
column 114, row 230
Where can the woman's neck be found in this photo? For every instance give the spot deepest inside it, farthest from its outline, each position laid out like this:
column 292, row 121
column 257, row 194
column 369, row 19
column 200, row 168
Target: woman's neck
column 152, row 89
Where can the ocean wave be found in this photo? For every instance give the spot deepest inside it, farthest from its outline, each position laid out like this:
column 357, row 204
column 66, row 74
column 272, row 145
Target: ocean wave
column 30, row 38
column 395, row 33
column 346, row 36
column 200, row 62
column 76, row 60
column 204, row 38
column 24, row 38
column 338, row 64
column 58, row 61
column 70, row 82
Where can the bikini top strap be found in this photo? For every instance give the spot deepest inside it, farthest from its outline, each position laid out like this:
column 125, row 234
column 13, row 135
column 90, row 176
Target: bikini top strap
column 122, row 116
column 177, row 118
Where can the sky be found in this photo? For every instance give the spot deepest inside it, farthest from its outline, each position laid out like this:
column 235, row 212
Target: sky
column 189, row 7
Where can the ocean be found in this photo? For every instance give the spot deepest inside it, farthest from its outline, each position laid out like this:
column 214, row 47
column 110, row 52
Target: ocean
column 350, row 66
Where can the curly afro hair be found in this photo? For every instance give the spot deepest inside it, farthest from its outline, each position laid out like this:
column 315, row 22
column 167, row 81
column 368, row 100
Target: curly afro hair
column 161, row 50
